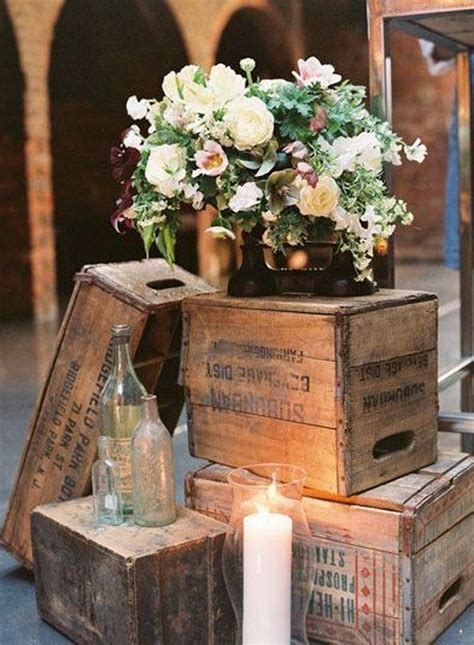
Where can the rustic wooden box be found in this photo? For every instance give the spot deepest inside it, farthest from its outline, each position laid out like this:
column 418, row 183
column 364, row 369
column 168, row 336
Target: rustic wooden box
column 128, row 584
column 395, row 564
column 345, row 387
column 61, row 445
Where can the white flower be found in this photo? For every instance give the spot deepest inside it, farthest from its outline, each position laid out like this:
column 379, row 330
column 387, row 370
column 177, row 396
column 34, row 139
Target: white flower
column 220, row 231
column 312, row 71
column 392, row 155
column 173, row 83
column 247, row 65
column 166, row 168
column 346, row 221
column 193, row 195
column 267, row 237
column 137, row 109
column 225, row 84
column 364, row 150
column 371, row 218
column 319, row 200
column 273, row 85
column 416, row 152
column 246, row 197
column 250, row 122
column 268, row 216
column 133, row 138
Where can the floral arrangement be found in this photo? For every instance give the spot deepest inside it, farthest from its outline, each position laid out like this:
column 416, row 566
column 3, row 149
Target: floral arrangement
column 299, row 160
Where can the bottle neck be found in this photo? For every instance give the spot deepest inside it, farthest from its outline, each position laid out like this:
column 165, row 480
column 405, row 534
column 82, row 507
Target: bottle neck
column 122, row 361
column 149, row 409
column 103, row 448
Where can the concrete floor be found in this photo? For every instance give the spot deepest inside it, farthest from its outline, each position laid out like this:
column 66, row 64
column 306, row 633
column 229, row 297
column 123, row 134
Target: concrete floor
column 24, row 355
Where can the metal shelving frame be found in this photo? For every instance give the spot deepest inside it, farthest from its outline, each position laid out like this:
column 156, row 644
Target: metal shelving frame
column 450, row 24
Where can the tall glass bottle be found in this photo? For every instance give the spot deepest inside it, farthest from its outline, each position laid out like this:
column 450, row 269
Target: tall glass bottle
column 120, row 409
column 152, row 469
column 106, row 493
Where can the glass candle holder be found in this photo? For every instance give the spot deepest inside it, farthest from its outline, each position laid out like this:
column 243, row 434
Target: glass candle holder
column 268, row 557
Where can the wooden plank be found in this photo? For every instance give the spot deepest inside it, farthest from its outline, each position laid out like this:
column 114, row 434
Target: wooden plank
column 369, row 340
column 130, row 584
column 238, row 439
column 315, row 305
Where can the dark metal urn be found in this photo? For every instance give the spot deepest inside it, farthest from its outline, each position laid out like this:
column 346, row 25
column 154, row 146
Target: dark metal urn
column 331, row 273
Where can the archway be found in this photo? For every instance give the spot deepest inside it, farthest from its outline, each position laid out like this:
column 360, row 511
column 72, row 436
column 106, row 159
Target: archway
column 102, row 53
column 260, row 34
column 15, row 276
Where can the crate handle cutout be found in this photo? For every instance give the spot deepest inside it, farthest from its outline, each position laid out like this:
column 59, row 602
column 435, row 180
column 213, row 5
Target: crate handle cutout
column 161, row 285
column 394, row 443
column 450, row 594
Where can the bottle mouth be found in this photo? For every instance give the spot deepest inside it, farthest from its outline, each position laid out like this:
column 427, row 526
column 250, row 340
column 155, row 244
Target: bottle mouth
column 121, row 332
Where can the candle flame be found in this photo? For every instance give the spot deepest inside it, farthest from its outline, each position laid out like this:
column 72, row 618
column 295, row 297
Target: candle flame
column 270, row 495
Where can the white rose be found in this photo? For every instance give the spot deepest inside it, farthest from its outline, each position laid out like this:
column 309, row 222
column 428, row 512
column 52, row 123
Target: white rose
column 319, row 200
column 246, row 197
column 166, row 168
column 137, row 109
column 250, row 122
column 225, row 84
column 221, row 232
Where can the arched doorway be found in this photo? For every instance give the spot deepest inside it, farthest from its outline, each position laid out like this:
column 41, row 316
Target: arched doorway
column 260, row 34
column 102, row 53
column 15, row 277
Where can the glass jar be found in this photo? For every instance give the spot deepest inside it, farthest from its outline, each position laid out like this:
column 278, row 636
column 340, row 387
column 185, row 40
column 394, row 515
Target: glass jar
column 268, row 557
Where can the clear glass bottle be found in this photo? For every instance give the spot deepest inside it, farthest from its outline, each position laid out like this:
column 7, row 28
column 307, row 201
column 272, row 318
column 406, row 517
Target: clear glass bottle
column 107, row 497
column 152, row 469
column 120, row 409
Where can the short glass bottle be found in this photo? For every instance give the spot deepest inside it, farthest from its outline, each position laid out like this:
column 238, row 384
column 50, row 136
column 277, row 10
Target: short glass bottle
column 152, row 469
column 120, row 408
column 107, row 497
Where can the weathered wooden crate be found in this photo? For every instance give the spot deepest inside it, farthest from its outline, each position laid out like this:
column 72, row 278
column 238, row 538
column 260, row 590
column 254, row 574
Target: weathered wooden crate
column 395, row 564
column 128, row 584
column 61, row 446
column 345, row 387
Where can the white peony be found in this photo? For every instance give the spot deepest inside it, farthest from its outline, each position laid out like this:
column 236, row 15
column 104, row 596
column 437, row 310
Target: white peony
column 166, row 168
column 225, row 84
column 137, row 109
column 250, row 123
column 246, row 197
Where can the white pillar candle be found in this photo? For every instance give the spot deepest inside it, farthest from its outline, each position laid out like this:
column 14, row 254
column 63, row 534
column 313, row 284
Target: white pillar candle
column 267, row 579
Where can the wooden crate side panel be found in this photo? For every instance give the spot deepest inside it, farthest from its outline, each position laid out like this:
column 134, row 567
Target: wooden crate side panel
column 64, row 592
column 180, row 593
column 391, row 332
column 62, row 445
column 356, row 595
column 238, row 439
column 443, row 568
column 444, row 503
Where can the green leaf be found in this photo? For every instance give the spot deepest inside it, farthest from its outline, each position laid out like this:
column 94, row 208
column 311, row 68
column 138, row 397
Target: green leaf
column 148, row 236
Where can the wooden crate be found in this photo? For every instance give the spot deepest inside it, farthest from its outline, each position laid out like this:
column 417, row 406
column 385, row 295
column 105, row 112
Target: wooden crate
column 395, row 564
column 61, row 446
column 128, row 584
column 345, row 387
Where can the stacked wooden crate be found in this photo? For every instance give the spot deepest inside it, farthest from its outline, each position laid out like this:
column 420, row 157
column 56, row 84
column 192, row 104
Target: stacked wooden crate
column 346, row 388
